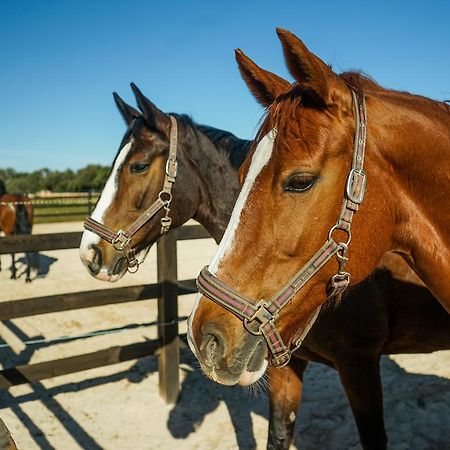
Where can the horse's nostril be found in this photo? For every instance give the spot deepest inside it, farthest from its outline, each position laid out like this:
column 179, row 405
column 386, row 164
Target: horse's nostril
column 95, row 264
column 120, row 266
column 213, row 347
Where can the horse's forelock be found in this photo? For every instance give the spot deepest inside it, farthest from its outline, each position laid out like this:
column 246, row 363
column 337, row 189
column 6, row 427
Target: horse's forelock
column 282, row 112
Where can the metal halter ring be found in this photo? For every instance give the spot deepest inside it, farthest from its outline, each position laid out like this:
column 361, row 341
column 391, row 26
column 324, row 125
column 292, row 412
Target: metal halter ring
column 166, row 201
column 136, row 267
column 336, row 227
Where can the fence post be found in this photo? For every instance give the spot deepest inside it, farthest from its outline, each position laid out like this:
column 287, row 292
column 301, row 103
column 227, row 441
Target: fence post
column 90, row 202
column 169, row 354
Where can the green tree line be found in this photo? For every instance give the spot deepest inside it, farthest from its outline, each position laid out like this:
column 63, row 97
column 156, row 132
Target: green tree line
column 91, row 177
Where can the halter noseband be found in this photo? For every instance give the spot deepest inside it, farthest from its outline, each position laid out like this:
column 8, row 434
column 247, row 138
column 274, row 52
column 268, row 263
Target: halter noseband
column 259, row 319
column 121, row 239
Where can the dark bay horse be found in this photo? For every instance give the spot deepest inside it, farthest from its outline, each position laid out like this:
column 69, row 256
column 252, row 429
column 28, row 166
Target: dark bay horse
column 389, row 313
column 16, row 217
column 322, row 138
column 205, row 189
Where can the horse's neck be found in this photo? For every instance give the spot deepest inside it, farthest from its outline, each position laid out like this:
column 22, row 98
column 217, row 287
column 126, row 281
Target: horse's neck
column 413, row 138
column 218, row 182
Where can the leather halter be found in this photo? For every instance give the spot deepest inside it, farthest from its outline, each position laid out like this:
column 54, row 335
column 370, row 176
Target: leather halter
column 121, row 240
column 259, row 318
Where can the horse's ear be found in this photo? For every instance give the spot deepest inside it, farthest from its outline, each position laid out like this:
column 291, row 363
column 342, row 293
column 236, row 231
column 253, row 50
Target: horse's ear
column 127, row 111
column 312, row 74
column 155, row 119
column 264, row 85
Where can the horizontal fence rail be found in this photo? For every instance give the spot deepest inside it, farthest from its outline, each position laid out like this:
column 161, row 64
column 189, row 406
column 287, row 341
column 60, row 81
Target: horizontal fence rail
column 62, row 208
column 64, row 366
column 64, row 241
column 166, row 291
column 39, row 242
column 48, row 201
column 14, row 309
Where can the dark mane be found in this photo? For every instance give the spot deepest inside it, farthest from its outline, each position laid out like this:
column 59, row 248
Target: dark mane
column 236, row 149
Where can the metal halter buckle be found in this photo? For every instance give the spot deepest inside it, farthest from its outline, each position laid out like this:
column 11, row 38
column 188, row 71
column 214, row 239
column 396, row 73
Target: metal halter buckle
column 285, row 357
column 356, row 185
column 262, row 315
column 121, row 241
column 171, row 168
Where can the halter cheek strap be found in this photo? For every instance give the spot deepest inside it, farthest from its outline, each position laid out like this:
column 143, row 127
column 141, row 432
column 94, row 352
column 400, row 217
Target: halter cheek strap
column 121, row 240
column 259, row 316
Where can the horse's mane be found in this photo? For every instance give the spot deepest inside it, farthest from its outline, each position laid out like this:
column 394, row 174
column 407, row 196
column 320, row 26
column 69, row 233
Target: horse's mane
column 2, row 188
column 236, row 149
column 359, row 81
column 281, row 112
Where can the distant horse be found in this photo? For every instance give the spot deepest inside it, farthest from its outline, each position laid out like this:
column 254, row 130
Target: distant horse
column 302, row 224
column 16, row 217
column 386, row 314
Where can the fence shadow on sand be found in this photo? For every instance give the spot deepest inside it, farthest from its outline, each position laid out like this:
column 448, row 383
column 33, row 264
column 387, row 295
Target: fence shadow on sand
column 417, row 407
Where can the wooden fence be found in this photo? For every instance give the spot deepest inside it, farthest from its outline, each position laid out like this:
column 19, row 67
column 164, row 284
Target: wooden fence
column 64, row 207
column 166, row 291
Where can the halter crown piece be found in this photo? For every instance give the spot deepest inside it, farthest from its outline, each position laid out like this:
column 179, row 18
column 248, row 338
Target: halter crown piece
column 259, row 317
column 121, row 240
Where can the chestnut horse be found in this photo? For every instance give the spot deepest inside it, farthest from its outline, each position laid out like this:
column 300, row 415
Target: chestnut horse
column 16, row 217
column 319, row 139
column 375, row 306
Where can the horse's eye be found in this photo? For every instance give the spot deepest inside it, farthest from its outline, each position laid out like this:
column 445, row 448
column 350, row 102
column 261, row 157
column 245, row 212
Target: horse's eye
column 299, row 182
column 139, row 167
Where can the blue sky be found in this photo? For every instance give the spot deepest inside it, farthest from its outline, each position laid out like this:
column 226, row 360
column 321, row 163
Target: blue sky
column 61, row 60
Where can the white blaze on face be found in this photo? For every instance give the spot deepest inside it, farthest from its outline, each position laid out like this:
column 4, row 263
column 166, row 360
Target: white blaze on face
column 260, row 158
column 106, row 198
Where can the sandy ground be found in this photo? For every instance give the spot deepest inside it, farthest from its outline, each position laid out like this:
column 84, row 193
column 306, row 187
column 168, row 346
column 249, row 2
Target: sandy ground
column 118, row 407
